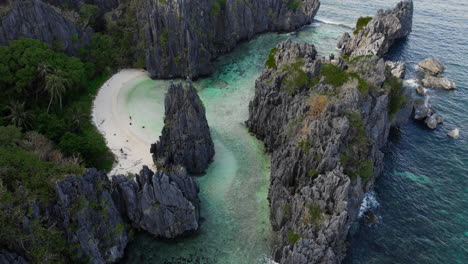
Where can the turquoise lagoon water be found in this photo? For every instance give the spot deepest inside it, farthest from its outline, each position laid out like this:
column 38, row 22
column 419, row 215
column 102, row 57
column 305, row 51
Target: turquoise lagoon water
column 421, row 198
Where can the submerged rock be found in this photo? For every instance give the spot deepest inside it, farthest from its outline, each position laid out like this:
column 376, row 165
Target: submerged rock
column 438, row 82
column 186, row 138
column 420, row 90
column 370, row 218
column 455, row 134
column 432, row 66
column 380, row 33
column 165, row 204
column 325, row 137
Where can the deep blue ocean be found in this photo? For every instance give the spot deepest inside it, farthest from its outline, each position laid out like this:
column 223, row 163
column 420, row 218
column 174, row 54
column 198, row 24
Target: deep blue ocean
column 421, row 198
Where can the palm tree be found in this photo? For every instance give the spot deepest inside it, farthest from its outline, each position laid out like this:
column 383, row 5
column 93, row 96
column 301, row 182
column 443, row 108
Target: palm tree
column 19, row 116
column 56, row 86
column 43, row 69
column 75, row 119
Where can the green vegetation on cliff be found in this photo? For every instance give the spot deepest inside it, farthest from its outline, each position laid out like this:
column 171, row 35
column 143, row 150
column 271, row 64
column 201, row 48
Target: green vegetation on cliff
column 30, row 160
column 271, row 61
column 361, row 23
column 396, row 99
column 353, row 159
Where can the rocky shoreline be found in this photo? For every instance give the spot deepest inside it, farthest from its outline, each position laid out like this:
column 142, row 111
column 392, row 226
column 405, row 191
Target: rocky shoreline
column 325, row 123
column 325, row 137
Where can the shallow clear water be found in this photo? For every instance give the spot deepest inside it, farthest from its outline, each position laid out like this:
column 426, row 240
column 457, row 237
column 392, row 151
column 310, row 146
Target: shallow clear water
column 421, row 198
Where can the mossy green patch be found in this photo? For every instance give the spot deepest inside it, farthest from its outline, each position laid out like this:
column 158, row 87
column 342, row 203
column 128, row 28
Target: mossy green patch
column 361, row 23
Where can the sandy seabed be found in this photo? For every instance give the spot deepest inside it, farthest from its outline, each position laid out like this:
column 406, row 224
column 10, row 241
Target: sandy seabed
column 111, row 118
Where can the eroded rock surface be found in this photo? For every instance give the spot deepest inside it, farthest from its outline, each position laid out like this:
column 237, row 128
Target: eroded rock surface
column 397, row 68
column 86, row 211
column 38, row 20
column 432, row 66
column 183, row 37
column 163, row 204
column 325, row 128
column 380, row 33
column 455, row 134
column 186, row 138
column 11, row 258
column 438, row 82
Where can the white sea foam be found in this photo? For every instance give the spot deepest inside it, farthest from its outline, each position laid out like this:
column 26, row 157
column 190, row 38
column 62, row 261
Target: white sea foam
column 331, row 22
column 411, row 82
column 369, row 202
column 268, row 260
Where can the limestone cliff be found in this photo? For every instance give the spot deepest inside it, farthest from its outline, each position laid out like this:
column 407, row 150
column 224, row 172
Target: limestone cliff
column 94, row 214
column 179, row 38
column 325, row 125
column 163, row 204
column 184, row 36
column 86, row 211
column 186, row 139
column 377, row 35
column 39, row 20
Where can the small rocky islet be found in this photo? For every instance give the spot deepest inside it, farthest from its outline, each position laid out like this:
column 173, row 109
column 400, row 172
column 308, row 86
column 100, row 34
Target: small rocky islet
column 324, row 121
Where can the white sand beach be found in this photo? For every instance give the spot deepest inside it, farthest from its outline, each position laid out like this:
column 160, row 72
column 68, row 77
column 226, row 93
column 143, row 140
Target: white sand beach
column 113, row 121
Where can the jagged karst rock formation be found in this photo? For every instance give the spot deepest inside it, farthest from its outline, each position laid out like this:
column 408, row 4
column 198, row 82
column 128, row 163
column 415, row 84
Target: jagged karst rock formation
column 380, row 33
column 178, row 38
column 163, row 204
column 183, row 37
column 397, row 68
column 325, row 128
column 11, row 258
column 38, row 20
column 95, row 213
column 186, row 138
column 87, row 212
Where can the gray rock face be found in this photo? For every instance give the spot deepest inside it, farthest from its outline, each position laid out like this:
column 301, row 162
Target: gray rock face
column 325, row 142
column 11, row 258
column 36, row 19
column 186, row 138
column 183, row 37
column 88, row 214
column 424, row 112
column 103, row 5
column 455, row 133
column 438, row 82
column 422, row 109
column 385, row 28
column 165, row 205
column 433, row 121
column 432, row 66
column 397, row 68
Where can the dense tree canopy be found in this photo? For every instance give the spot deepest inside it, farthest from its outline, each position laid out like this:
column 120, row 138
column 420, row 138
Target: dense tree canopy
column 50, row 92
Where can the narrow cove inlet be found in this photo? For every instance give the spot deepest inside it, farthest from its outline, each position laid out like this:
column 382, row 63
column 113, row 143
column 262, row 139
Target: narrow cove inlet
column 233, row 192
column 233, row 132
